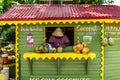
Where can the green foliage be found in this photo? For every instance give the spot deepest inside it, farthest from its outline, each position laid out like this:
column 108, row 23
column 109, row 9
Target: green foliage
column 93, row 1
column 1, row 6
column 6, row 4
column 10, row 35
column 7, row 33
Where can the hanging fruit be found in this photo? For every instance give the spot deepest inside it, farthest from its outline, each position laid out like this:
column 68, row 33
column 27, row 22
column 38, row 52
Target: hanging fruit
column 105, row 42
column 111, row 41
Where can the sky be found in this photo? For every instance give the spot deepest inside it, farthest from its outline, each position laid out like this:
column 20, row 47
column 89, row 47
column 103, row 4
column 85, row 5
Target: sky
column 117, row 2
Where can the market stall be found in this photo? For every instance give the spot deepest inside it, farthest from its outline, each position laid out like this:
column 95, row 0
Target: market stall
column 66, row 41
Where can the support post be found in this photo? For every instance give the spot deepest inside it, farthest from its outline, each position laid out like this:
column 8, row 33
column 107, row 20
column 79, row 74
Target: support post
column 86, row 66
column 58, row 66
column 30, row 63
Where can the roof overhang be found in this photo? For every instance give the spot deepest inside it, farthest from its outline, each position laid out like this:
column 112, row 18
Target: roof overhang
column 56, row 14
column 59, row 21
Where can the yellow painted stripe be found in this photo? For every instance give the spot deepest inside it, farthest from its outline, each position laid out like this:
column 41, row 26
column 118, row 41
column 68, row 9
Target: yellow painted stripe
column 58, row 21
column 17, row 55
column 102, row 53
column 67, row 55
column 9, row 65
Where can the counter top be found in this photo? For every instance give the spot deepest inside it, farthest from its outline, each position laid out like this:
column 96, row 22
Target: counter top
column 66, row 55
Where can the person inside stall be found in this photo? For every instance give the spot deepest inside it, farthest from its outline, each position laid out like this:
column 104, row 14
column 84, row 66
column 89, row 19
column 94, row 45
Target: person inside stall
column 58, row 39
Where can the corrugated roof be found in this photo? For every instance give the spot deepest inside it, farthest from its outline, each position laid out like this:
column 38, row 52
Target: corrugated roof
column 58, row 12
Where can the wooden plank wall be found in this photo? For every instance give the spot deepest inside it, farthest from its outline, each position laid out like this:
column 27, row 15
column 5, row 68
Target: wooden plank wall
column 68, row 68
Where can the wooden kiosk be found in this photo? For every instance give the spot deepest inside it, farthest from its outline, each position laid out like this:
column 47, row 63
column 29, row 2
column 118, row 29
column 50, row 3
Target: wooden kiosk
column 38, row 21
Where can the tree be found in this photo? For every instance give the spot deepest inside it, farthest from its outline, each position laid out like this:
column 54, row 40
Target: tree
column 93, row 1
column 6, row 4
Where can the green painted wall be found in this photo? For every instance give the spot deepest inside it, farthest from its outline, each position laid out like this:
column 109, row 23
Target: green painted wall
column 68, row 68
column 112, row 55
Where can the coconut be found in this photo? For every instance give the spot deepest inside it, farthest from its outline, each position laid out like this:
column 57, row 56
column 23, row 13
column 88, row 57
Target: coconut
column 79, row 47
column 111, row 41
column 85, row 50
column 59, row 49
column 105, row 42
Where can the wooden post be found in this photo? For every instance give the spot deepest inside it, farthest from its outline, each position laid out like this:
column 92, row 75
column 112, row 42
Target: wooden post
column 58, row 66
column 86, row 66
column 30, row 63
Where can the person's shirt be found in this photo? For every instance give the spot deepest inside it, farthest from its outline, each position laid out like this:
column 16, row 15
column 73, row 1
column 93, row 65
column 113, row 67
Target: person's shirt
column 59, row 41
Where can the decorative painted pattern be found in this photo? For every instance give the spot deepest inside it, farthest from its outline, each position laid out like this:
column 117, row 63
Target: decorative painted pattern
column 66, row 55
column 102, row 53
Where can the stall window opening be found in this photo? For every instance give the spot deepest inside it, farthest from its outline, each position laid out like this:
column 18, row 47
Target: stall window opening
column 68, row 31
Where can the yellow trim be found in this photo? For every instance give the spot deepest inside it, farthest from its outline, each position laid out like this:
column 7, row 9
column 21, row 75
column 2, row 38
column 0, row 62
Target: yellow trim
column 58, row 21
column 9, row 65
column 102, row 53
column 66, row 55
column 17, row 55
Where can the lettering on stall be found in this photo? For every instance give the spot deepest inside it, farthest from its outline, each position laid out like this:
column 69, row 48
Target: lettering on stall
column 83, row 29
column 33, row 78
column 31, row 28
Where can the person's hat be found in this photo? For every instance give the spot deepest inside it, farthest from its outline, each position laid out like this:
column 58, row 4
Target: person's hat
column 58, row 32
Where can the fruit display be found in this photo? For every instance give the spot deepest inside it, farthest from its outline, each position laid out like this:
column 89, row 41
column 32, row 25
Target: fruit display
column 111, row 41
column 105, row 42
column 108, row 41
column 52, row 50
column 59, row 49
column 85, row 50
column 43, row 48
column 1, row 66
column 81, row 48
column 11, row 57
column 10, row 50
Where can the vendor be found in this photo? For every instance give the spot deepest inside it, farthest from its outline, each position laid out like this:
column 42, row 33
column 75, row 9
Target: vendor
column 58, row 39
